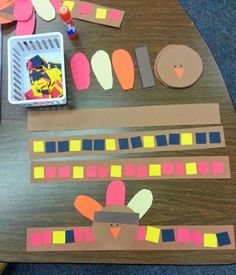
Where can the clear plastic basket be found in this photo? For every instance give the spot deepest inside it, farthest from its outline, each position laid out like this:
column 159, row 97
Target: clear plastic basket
column 20, row 50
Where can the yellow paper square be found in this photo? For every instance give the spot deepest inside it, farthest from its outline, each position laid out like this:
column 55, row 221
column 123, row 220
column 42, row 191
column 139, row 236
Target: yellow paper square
column 153, row 234
column 210, row 240
column 101, row 13
column 116, row 171
column 110, row 144
column 69, row 4
column 58, row 237
column 38, row 146
column 191, row 168
column 186, row 139
column 75, row 145
column 78, row 172
column 154, row 170
column 39, row 173
column 148, row 142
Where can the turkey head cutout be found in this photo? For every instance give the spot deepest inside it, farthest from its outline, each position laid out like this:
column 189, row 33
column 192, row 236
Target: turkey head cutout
column 116, row 224
column 178, row 66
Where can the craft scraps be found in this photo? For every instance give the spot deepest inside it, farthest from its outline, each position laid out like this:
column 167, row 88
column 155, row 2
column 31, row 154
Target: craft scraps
column 96, row 14
column 144, row 66
column 129, row 142
column 124, row 68
column 45, row 9
column 163, row 115
column 45, row 79
column 204, row 167
column 80, row 69
column 101, row 66
column 23, row 10
column 115, row 226
column 178, row 66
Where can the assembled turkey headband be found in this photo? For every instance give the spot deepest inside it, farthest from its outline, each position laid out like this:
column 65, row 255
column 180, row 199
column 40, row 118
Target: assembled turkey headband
column 116, row 227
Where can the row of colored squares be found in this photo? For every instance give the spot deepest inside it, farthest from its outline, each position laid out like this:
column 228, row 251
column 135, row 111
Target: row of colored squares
column 111, row 144
column 149, row 233
column 100, row 13
column 183, row 235
column 142, row 171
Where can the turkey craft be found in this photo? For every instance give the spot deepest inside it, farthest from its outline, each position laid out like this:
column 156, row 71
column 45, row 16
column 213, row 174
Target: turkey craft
column 116, row 224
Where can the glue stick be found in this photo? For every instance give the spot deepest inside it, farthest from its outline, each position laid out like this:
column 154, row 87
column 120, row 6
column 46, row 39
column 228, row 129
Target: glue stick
column 67, row 19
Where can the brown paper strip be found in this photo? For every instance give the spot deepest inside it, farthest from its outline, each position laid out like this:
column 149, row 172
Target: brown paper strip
column 131, row 169
column 209, row 237
column 121, row 143
column 109, row 16
column 164, row 115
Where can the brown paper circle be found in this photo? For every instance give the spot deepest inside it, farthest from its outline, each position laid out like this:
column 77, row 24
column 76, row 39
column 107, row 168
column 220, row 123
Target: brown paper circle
column 178, row 55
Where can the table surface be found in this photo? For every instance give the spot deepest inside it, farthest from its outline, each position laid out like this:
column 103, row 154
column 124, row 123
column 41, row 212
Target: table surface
column 153, row 23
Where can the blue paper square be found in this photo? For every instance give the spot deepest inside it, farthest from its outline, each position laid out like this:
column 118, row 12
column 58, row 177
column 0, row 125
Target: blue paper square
column 161, row 140
column 50, row 147
column 201, row 138
column 174, row 139
column 215, row 137
column 99, row 144
column 63, row 146
column 123, row 143
column 87, row 145
column 70, row 236
column 136, row 142
column 168, row 235
column 223, row 238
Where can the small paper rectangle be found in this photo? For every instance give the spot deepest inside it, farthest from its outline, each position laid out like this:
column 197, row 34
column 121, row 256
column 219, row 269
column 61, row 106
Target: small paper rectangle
column 186, row 138
column 142, row 171
column 129, row 170
column 64, row 172
column 58, row 237
column 110, row 144
column 88, row 234
column 191, row 168
column 78, row 235
column 91, row 172
column 75, row 145
column 153, row 234
column 47, row 237
column 101, row 13
column 182, row 235
column 210, row 240
column 203, row 168
column 35, row 238
column 218, row 168
column 114, row 15
column 167, row 168
column 85, row 8
column 141, row 233
column 39, row 173
column 116, row 171
column 38, row 146
column 50, row 172
column 103, row 172
column 154, row 170
column 144, row 67
column 196, row 237
column 148, row 142
column 78, row 172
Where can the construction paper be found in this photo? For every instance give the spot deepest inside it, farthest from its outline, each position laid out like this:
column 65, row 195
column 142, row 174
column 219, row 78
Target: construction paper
column 69, row 4
column 216, row 237
column 80, row 69
column 101, row 66
column 144, row 67
column 124, row 68
column 44, row 9
column 128, row 142
column 115, row 226
column 117, row 169
column 56, row 4
column 164, row 115
column 141, row 202
column 26, row 27
column 23, row 10
column 97, row 14
column 178, row 66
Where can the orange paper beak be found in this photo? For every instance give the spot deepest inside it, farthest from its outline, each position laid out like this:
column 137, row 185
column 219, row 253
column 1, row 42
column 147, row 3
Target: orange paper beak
column 179, row 72
column 115, row 231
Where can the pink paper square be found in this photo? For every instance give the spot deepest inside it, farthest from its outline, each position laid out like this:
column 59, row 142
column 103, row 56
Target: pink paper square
column 102, row 172
column 114, row 15
column 167, row 168
column 141, row 233
column 64, row 172
column 50, row 172
column 196, row 237
column 182, row 235
column 179, row 168
column 35, row 238
column 142, row 171
column 85, row 8
column 78, row 235
column 218, row 168
column 47, row 237
column 91, row 172
column 88, row 234
column 203, row 168
column 129, row 170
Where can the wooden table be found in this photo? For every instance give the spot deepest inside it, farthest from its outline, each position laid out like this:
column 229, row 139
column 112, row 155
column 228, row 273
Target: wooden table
column 176, row 202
